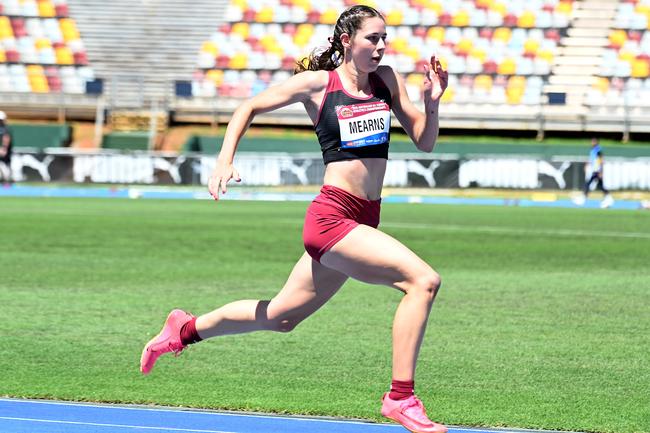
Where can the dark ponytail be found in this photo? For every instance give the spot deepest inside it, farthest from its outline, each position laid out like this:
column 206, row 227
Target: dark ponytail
column 348, row 22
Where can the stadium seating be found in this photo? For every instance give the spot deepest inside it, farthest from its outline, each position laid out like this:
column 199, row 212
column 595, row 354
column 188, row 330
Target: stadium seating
column 495, row 51
column 41, row 50
column 624, row 77
column 628, row 54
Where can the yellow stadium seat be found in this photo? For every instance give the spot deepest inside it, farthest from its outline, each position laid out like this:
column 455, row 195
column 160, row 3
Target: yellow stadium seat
column 46, row 9
column 627, row 56
column 34, row 70
column 39, row 84
column 448, row 96
column 483, row 82
column 617, row 38
column 515, row 89
column 514, row 95
column 546, row 55
column 277, row 50
column 303, row 34
column 216, row 76
column 640, row 68
column 601, row 84
column 305, row 4
column 399, row 44
column 240, row 29
column 301, row 40
column 305, row 28
column 37, row 80
column 500, row 7
column 436, row 34
column 413, row 53
column 464, row 46
column 42, row 43
column 69, row 29
column 485, row 4
column 460, row 19
column 642, row 8
column 268, row 42
column 64, row 56
column 329, row 16
column 531, row 46
column 394, row 17
column 434, row 5
column 238, row 61
column 517, row 82
column 265, row 15
column 502, row 34
column 507, row 67
column 241, row 4
column 6, row 32
column 479, row 53
column 370, row 3
column 210, row 48
column 526, row 20
column 564, row 7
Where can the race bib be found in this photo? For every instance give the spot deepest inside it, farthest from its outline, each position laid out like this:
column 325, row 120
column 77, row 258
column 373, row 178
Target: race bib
column 366, row 124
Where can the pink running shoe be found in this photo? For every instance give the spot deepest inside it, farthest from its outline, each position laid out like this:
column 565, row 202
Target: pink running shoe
column 411, row 414
column 168, row 340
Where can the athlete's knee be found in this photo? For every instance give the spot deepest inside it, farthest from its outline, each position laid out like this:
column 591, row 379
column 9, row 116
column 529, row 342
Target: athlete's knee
column 426, row 284
column 283, row 324
column 276, row 320
column 286, row 325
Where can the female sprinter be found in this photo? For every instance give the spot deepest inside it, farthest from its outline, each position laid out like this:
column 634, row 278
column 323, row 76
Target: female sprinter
column 348, row 96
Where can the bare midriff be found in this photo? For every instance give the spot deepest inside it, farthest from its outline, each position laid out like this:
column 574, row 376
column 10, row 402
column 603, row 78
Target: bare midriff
column 360, row 177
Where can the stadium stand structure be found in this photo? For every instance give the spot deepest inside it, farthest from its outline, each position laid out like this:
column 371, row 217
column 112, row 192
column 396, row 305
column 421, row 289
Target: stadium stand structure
column 142, row 47
column 513, row 65
column 539, row 65
column 603, row 66
column 497, row 53
column 622, row 80
column 43, row 60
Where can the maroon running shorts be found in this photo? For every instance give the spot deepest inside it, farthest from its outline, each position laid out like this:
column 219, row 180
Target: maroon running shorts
column 332, row 215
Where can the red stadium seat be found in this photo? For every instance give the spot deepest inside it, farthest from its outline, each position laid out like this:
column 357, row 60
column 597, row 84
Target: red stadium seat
column 12, row 56
column 61, row 10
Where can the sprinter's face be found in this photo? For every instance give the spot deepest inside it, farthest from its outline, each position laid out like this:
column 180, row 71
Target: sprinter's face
column 368, row 44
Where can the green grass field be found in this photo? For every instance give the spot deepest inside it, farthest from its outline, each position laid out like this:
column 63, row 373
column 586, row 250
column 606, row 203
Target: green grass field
column 543, row 320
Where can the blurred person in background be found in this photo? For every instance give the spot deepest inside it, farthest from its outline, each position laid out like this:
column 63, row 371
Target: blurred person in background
column 5, row 149
column 349, row 97
column 594, row 173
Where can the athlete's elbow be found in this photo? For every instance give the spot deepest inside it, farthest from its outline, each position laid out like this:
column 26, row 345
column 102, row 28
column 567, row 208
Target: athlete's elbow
column 426, row 140
column 244, row 114
column 245, row 108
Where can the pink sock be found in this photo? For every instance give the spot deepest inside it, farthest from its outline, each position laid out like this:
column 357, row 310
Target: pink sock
column 189, row 334
column 401, row 389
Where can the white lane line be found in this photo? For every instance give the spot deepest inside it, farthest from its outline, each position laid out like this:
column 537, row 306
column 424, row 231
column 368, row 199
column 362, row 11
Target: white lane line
column 49, row 421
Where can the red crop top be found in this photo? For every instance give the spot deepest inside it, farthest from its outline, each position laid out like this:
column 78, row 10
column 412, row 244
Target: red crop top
column 350, row 127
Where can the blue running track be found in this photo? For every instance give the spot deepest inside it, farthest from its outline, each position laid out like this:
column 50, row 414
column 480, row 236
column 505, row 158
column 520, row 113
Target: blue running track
column 40, row 416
